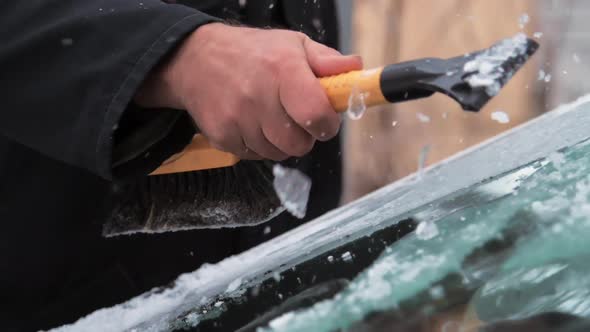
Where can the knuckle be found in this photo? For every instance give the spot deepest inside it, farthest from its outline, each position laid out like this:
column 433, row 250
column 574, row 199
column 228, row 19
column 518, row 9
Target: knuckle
column 246, row 97
column 270, row 60
column 300, row 35
column 291, row 62
column 230, row 118
column 220, row 141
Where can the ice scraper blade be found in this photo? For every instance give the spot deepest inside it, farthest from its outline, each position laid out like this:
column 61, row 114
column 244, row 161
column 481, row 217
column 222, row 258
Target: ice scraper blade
column 471, row 79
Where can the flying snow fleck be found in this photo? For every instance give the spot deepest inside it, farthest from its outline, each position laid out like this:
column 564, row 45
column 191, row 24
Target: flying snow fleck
column 423, row 117
column 501, row 117
column 523, row 20
column 542, row 75
column 548, row 78
column 576, row 58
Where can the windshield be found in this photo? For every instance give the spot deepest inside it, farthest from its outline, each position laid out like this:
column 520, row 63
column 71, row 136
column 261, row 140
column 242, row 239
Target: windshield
column 454, row 245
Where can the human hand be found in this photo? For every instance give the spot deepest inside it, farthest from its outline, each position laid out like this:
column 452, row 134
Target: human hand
column 252, row 92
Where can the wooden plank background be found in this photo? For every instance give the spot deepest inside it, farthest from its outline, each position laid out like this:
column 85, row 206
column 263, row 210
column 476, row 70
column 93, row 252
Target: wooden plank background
column 389, row 31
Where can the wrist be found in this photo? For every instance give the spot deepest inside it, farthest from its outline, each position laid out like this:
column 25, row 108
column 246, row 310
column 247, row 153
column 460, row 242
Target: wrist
column 157, row 91
column 162, row 88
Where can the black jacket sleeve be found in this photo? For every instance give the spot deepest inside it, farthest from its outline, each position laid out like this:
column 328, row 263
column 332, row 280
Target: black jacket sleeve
column 70, row 68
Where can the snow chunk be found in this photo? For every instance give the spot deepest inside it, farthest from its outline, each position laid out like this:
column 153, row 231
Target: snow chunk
column 347, row 256
column 292, row 188
column 234, row 285
column 426, row 230
column 192, row 319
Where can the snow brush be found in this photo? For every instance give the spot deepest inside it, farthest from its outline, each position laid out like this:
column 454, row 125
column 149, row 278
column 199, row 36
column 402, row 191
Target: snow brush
column 202, row 187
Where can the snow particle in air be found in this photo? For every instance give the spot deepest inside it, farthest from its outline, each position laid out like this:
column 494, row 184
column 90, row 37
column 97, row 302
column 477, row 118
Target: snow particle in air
column 523, row 20
column 548, row 78
column 501, row 117
column 423, row 117
column 576, row 58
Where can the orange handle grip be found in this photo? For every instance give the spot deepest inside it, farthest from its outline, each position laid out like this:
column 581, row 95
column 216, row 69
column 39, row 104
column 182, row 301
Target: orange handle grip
column 199, row 155
column 366, row 82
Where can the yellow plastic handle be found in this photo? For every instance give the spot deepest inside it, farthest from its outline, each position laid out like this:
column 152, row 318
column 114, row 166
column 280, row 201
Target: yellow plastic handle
column 199, row 155
column 366, row 82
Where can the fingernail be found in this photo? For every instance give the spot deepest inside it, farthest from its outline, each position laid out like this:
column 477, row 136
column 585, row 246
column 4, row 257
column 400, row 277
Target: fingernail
column 358, row 57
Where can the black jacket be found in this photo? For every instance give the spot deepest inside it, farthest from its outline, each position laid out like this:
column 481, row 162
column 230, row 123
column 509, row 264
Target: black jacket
column 68, row 72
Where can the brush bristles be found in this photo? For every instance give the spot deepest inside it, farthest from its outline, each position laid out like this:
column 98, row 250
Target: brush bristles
column 242, row 195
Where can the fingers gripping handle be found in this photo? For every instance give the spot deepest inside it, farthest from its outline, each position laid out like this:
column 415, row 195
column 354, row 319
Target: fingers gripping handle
column 339, row 88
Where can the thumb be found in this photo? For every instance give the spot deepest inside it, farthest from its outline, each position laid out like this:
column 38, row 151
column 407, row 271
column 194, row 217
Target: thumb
column 325, row 61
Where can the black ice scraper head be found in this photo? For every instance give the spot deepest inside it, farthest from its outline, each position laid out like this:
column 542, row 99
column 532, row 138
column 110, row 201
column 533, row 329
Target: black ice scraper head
column 471, row 79
column 206, row 188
